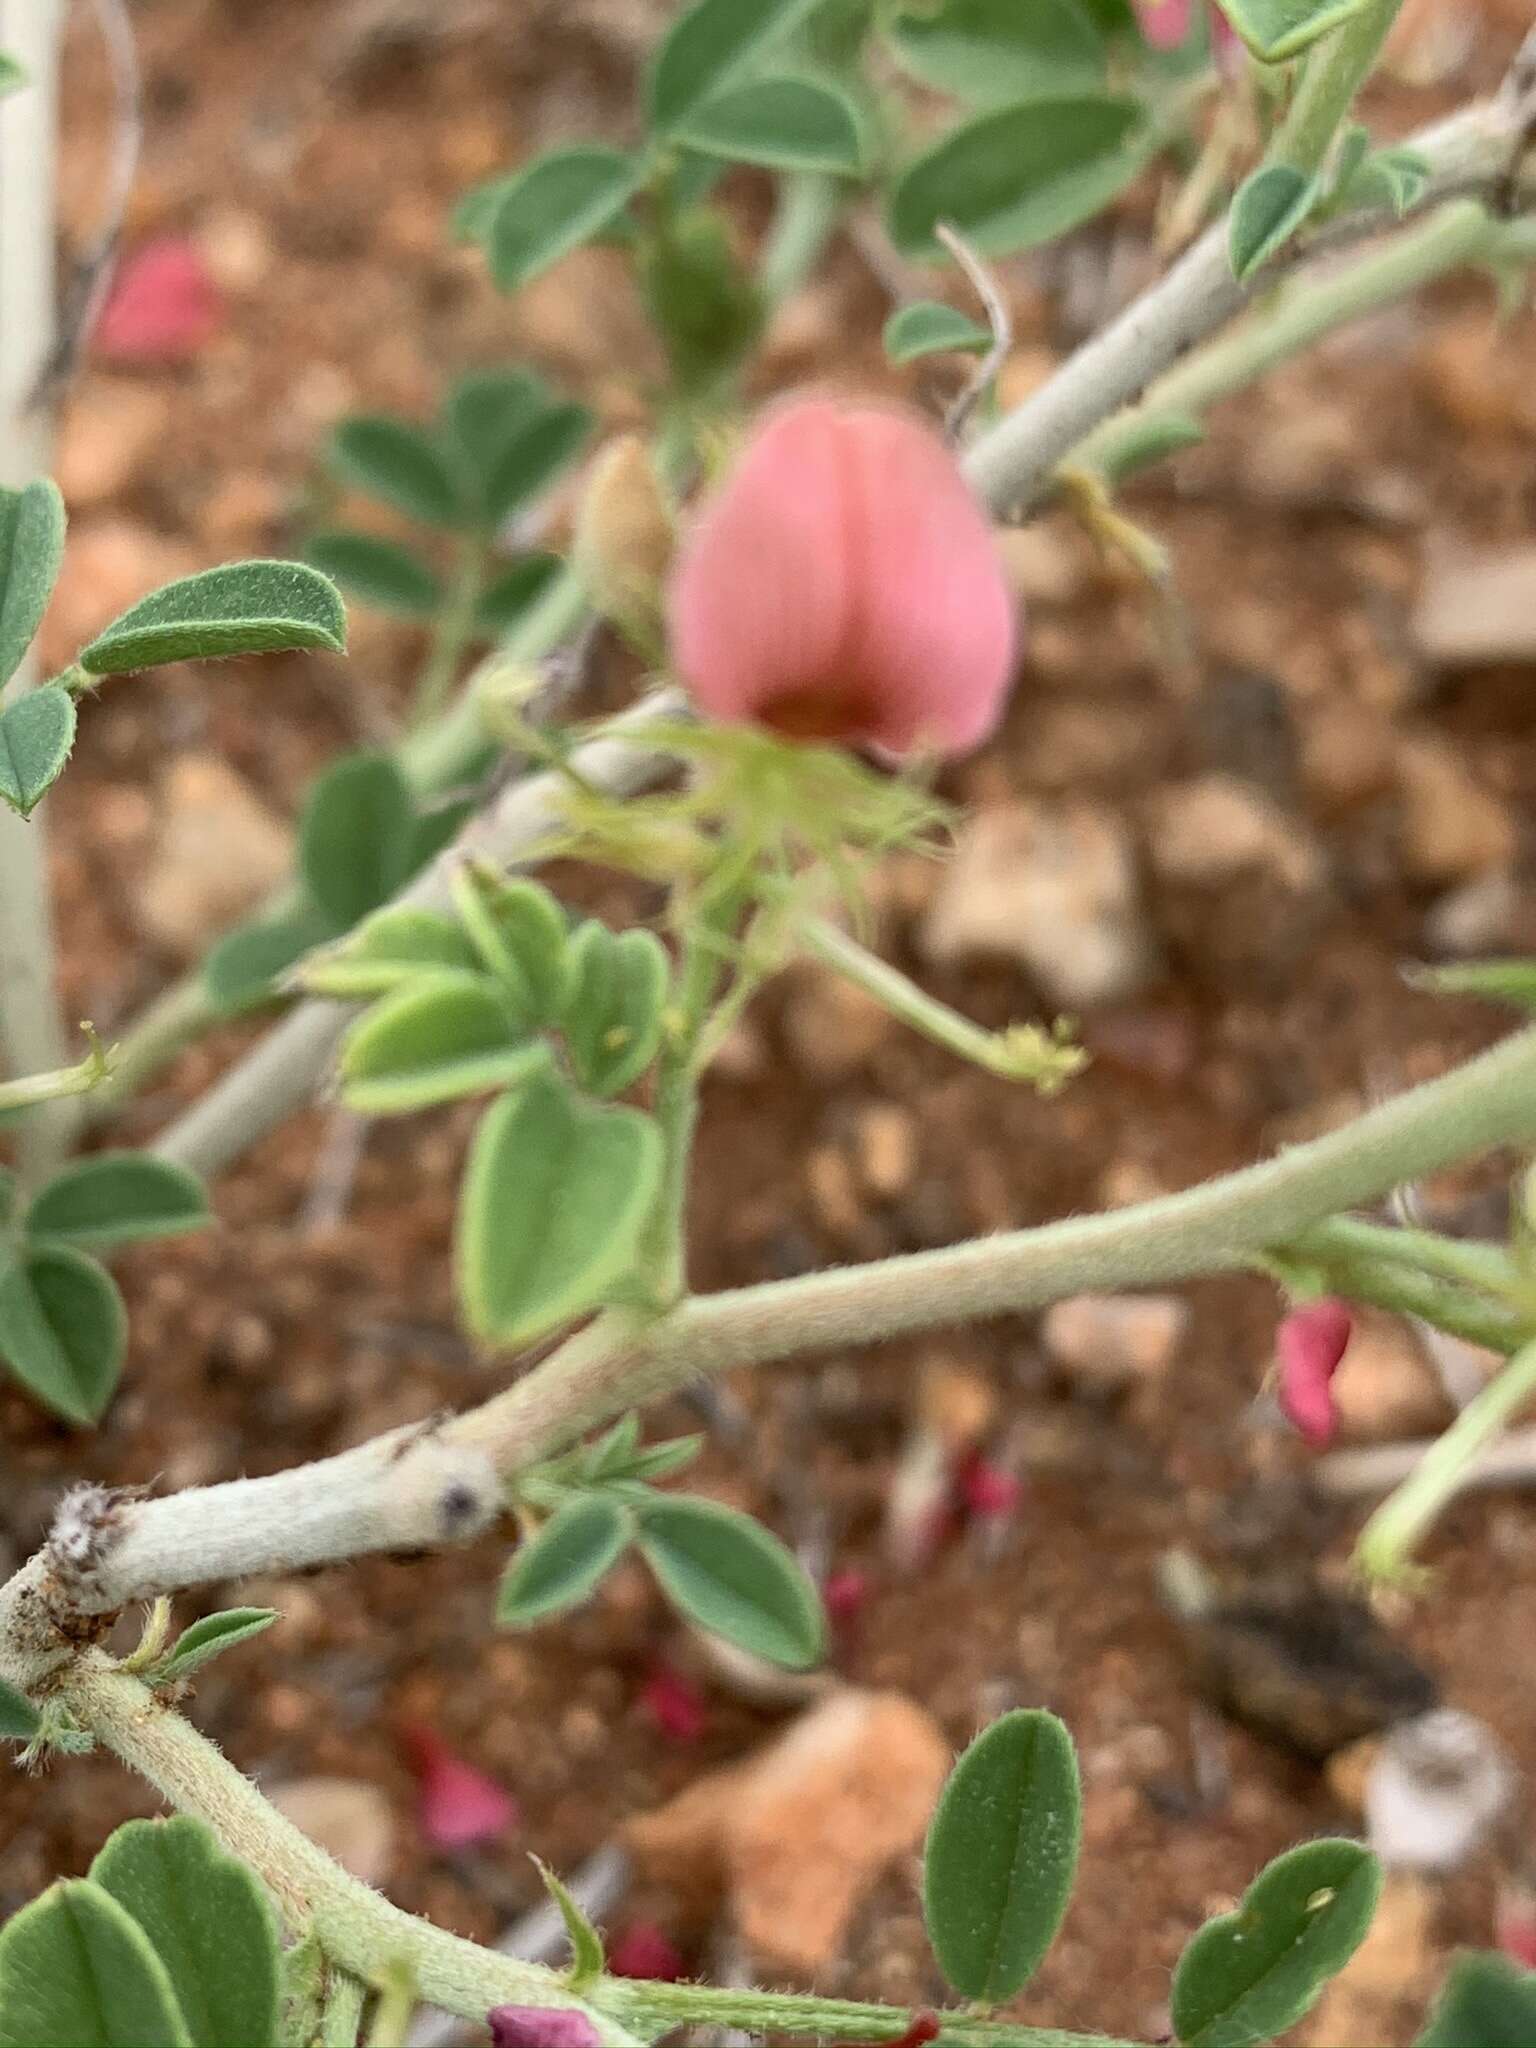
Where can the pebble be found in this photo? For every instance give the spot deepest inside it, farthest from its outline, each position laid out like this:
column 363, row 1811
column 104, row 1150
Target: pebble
column 109, row 432
column 1046, row 562
column 887, row 1141
column 1477, row 605
column 1107, row 1341
column 1346, row 752
column 1394, row 1968
column 349, row 1818
column 1438, row 1787
column 1475, row 917
column 832, row 1027
column 1453, row 829
column 218, row 852
column 1215, row 827
column 1052, row 886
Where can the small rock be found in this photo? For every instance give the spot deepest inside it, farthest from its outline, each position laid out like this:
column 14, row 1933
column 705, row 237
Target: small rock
column 1452, row 828
column 1475, row 917
column 110, row 430
column 832, row 1027
column 1214, row 828
column 1052, row 886
column 1107, row 1341
column 1438, row 1787
column 798, row 1834
column 887, row 1148
column 956, row 1404
column 1477, row 605
column 1046, row 563
column 1346, row 752
column 219, row 851
column 350, row 1819
column 1385, row 1388
column 834, row 1195
column 1072, row 744
column 1386, row 1981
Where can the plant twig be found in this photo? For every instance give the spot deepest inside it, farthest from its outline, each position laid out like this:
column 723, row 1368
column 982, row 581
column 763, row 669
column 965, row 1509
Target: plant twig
column 999, row 321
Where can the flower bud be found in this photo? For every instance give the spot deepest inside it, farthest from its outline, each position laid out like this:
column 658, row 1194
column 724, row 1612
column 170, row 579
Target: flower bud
column 1309, row 1345
column 624, row 539
column 541, row 2026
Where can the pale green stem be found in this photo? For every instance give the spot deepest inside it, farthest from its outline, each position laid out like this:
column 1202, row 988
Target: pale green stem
column 1487, row 1267
column 809, row 204
column 396, row 2003
column 822, row 2020
column 451, row 634
column 1390, row 1536
column 33, row 1089
column 1333, row 73
column 343, row 2015
column 675, row 1106
column 177, row 1015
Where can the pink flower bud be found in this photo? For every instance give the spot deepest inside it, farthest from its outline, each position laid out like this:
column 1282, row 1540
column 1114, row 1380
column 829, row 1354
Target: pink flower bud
column 642, row 1950
column 1309, row 1344
column 844, row 1595
column 843, row 584
column 674, row 1704
column 989, row 1493
column 1166, row 25
column 162, row 306
column 457, row 1805
column 541, row 2026
column 1514, row 1923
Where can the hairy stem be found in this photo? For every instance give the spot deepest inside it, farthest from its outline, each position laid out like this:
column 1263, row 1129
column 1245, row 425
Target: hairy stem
column 32, row 1089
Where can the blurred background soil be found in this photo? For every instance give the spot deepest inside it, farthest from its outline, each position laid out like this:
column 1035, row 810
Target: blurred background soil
column 1219, row 864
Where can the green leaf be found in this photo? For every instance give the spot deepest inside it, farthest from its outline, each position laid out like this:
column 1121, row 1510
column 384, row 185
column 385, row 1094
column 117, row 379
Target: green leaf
column 208, row 1919
column 380, row 572
column 992, row 50
column 613, row 1450
column 533, row 456
column 660, row 1461
column 355, row 837
column 1499, row 981
column 115, row 1198
column 36, row 734
column 927, row 328
column 12, row 75
column 1271, row 204
column 31, row 548
column 213, row 1635
column 1487, row 2003
column 19, row 1719
column 485, row 408
column 564, row 1562
column 613, row 1013
column 728, row 1574
column 707, row 47
column 1002, row 1853
column 555, row 1195
column 76, row 1971
column 241, row 969
column 63, row 1329
column 1277, row 29
column 520, row 933
column 246, row 608
column 587, row 1957
column 398, row 462
column 1393, row 178
column 1253, row 1973
column 391, row 948
column 432, row 1041
column 305, row 1980
column 1139, row 442
column 707, row 308
column 555, row 204
column 508, row 598
column 1021, row 174
column 785, row 124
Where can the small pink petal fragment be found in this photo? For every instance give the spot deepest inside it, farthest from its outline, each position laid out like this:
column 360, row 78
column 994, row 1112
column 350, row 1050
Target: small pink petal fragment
column 1514, row 1925
column 1309, row 1346
column 541, row 2026
column 844, row 1595
column 457, row 1806
column 1165, row 23
column 675, row 1704
column 843, row 585
column 162, row 307
column 990, row 1494
column 642, row 1950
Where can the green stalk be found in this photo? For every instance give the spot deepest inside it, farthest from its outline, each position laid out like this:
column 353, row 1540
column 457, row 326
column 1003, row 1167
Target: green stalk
column 808, row 209
column 31, row 1090
column 647, row 2006
column 1390, row 1536
column 1333, row 73
column 1350, row 1239
column 455, row 624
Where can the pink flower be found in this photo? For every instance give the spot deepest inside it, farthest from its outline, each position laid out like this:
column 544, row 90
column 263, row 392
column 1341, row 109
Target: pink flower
column 540, row 2026
column 675, row 1704
column 457, row 1805
column 1166, row 25
column 989, row 1493
column 843, row 584
column 1309, row 1344
column 162, row 307
column 1514, row 1923
column 642, row 1950
column 844, row 1595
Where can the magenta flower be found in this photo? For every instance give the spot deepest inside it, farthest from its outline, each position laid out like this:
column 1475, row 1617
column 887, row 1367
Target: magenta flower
column 642, row 1950
column 990, row 1493
column 162, row 306
column 1166, row 25
column 540, row 2026
column 1309, row 1345
column 675, row 1704
column 458, row 1806
column 843, row 584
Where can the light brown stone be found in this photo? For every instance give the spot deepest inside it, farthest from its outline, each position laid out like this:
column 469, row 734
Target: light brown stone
column 1106, row 1341
column 350, row 1819
column 218, row 852
column 108, row 435
column 1216, row 827
column 1452, row 828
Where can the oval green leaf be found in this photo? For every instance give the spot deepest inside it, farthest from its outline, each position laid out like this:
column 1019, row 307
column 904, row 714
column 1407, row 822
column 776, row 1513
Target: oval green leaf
column 213, row 1635
column 243, row 967
column 1278, row 29
column 1253, row 1973
column 485, row 408
column 208, row 1920
column 991, row 50
column 555, row 1195
column 1487, row 2003
column 1020, row 175
column 380, row 572
column 117, row 1198
column 520, row 933
column 613, row 1014
column 927, row 328
column 706, row 48
column 554, row 205
column 355, row 837
column 436, row 1039
column 1270, row 205
column 77, row 1971
column 397, row 462
column 507, row 599
column 1002, row 1853
column 63, row 1329
column 246, row 608
column 784, row 124
column 532, row 457
column 391, row 948
column 19, row 1719
column 731, row 1577
column 31, row 548
column 36, row 734
column 564, row 1562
